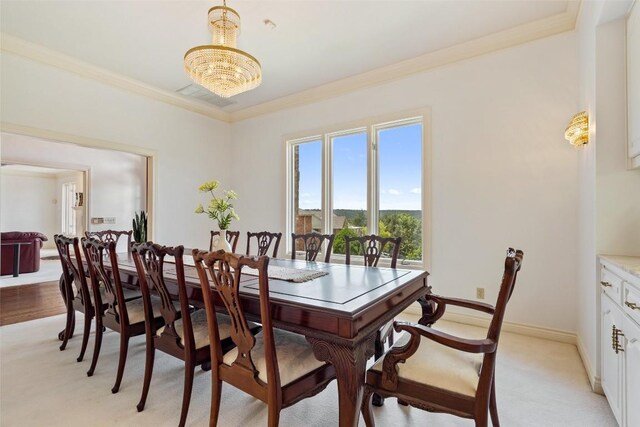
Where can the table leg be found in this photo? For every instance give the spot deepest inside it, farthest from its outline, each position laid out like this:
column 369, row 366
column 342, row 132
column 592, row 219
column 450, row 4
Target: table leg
column 16, row 260
column 350, row 363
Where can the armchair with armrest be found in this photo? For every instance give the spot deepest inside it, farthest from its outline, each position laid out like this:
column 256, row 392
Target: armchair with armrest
column 439, row 372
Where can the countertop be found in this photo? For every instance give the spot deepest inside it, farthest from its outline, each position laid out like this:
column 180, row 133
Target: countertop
column 630, row 264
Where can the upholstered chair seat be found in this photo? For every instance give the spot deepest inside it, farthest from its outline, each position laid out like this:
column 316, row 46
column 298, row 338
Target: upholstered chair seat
column 439, row 366
column 295, row 356
column 200, row 331
column 129, row 294
column 135, row 309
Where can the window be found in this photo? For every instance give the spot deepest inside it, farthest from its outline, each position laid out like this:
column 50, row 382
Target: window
column 358, row 180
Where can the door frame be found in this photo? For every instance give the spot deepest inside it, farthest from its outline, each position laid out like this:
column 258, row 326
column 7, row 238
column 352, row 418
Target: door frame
column 65, row 138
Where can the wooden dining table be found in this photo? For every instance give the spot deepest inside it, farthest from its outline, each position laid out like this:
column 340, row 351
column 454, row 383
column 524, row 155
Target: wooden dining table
column 338, row 313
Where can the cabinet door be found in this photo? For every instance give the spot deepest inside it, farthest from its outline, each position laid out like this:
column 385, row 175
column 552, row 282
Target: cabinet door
column 632, row 372
column 611, row 361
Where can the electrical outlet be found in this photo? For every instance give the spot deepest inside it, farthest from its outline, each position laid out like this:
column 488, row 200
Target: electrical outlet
column 480, row 293
column 109, row 220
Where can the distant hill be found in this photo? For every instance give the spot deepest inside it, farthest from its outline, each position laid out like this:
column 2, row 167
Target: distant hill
column 351, row 213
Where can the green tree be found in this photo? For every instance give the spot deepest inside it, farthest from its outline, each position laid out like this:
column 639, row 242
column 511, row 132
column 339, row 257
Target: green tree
column 359, row 219
column 339, row 244
column 409, row 228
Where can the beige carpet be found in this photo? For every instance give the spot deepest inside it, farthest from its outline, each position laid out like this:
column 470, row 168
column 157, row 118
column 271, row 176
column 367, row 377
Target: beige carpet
column 539, row 383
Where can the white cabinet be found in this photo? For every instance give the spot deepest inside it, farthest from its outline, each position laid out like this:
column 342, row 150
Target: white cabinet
column 620, row 332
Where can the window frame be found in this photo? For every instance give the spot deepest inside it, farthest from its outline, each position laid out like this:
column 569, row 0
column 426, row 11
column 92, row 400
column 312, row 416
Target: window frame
column 371, row 126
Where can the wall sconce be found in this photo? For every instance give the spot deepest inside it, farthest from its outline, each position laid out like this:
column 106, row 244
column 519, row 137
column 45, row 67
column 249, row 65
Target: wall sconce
column 577, row 133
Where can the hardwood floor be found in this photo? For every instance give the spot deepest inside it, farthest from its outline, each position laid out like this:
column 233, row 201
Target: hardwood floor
column 28, row 302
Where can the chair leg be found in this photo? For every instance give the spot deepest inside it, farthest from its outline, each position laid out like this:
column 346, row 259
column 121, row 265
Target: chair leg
column 216, row 394
column 148, row 370
column 124, row 348
column 68, row 329
column 189, row 370
column 85, row 336
column 96, row 346
column 493, row 408
column 367, row 407
column 274, row 416
column 378, row 352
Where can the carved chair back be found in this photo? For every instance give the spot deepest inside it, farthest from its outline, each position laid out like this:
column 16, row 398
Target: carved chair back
column 232, row 238
column 264, row 240
column 311, row 245
column 94, row 253
column 73, row 271
column 107, row 236
column 150, row 261
column 220, row 273
column 372, row 247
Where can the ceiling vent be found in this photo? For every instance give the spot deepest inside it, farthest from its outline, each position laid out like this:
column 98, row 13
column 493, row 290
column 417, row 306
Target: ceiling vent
column 198, row 92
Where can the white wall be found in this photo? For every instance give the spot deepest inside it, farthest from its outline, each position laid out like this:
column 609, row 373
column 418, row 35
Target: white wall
column 586, row 292
column 502, row 173
column 28, row 203
column 188, row 145
column 617, row 188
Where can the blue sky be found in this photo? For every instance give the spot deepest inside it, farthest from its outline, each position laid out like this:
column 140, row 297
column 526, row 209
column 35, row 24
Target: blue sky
column 400, row 179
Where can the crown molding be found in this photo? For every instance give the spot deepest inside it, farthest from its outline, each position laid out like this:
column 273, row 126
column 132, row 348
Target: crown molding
column 17, row 46
column 521, row 34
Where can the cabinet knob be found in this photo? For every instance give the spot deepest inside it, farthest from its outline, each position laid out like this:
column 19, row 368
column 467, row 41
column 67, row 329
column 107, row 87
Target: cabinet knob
column 605, row 284
column 632, row 306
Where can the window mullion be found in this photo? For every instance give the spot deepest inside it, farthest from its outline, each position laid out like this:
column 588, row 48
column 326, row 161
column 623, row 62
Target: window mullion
column 327, row 184
column 372, row 181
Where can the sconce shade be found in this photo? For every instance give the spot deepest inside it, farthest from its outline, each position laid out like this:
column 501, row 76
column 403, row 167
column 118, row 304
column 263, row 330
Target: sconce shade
column 577, row 133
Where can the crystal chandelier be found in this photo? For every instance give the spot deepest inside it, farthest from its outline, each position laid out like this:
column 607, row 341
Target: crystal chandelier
column 221, row 67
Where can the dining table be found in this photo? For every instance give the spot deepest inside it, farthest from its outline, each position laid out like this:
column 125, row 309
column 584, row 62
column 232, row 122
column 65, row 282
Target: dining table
column 338, row 312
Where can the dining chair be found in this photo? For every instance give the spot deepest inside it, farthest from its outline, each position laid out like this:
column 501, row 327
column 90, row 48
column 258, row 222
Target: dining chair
column 232, row 238
column 372, row 248
column 272, row 365
column 106, row 236
column 122, row 309
column 311, row 243
column 184, row 334
column 78, row 296
column 264, row 240
column 439, row 372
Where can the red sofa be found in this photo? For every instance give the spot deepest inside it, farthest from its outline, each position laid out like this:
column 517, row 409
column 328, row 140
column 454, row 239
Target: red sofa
column 29, row 253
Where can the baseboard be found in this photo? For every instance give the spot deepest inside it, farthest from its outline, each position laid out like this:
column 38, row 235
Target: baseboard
column 517, row 328
column 594, row 380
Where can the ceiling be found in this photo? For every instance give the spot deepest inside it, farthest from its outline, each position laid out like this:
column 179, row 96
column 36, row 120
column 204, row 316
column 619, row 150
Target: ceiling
column 315, row 43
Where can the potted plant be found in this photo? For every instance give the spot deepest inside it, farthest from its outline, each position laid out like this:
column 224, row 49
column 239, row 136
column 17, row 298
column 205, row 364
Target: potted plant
column 220, row 209
column 140, row 227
